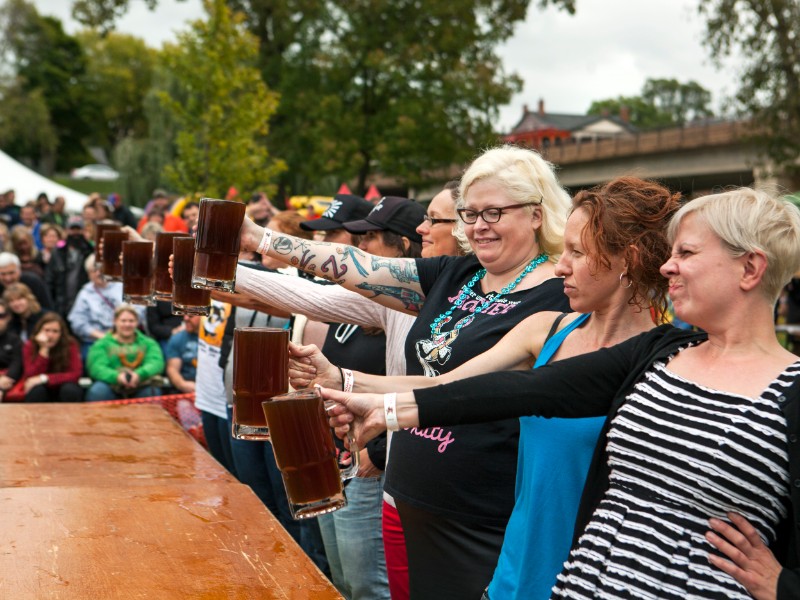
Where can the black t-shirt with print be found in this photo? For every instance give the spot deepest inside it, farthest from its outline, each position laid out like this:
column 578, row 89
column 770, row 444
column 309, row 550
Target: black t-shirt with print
column 466, row 472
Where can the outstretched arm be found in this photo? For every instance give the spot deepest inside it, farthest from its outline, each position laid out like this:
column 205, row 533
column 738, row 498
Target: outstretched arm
column 393, row 282
column 517, row 350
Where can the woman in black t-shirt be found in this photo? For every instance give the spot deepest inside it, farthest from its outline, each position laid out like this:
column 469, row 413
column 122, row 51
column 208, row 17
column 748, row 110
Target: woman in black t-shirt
column 455, row 487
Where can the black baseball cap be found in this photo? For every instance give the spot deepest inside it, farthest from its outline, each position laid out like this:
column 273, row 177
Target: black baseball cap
column 343, row 208
column 398, row 215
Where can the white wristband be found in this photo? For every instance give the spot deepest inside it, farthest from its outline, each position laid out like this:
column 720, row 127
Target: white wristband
column 263, row 245
column 390, row 411
column 349, row 380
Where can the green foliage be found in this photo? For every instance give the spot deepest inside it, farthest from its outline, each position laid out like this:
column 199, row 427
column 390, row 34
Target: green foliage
column 399, row 87
column 102, row 14
column 764, row 36
column 26, row 131
column 45, row 58
column 663, row 103
column 119, row 74
column 220, row 107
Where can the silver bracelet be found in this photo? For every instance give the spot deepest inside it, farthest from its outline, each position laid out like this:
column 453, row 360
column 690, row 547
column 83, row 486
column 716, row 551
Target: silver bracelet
column 348, row 381
column 263, row 245
column 390, row 411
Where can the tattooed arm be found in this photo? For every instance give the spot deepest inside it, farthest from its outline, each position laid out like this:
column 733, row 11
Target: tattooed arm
column 392, row 282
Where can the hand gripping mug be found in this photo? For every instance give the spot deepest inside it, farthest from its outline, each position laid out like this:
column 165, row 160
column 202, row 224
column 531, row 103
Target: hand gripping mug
column 305, row 453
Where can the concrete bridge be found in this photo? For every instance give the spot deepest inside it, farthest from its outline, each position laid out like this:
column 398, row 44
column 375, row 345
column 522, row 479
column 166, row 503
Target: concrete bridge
column 694, row 159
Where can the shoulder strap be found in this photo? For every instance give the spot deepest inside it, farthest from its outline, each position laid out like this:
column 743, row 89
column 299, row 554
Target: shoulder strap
column 556, row 323
column 553, row 343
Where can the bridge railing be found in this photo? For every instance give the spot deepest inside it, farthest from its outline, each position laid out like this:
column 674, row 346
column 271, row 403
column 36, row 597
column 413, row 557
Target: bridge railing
column 650, row 142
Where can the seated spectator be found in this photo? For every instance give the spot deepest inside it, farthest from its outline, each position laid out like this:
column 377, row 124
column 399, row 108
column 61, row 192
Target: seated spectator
column 89, row 216
column 260, row 209
column 102, row 210
column 10, row 352
column 57, row 213
column 190, row 213
column 5, row 238
column 25, row 310
column 181, row 356
column 24, row 246
column 11, row 272
column 92, row 315
column 120, row 212
column 73, row 255
column 30, row 220
column 151, row 230
column 125, row 363
column 160, row 204
column 51, row 363
column 162, row 324
column 9, row 211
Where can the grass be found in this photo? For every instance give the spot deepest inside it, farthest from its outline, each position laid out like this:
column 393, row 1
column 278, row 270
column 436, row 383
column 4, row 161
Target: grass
column 87, row 187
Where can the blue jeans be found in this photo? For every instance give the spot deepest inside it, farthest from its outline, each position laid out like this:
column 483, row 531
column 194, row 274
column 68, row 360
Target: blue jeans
column 354, row 543
column 100, row 390
column 218, row 438
column 255, row 466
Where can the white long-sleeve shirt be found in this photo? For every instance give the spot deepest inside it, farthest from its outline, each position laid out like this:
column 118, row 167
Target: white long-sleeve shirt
column 329, row 303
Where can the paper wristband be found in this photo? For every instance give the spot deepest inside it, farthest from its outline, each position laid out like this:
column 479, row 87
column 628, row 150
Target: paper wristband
column 390, row 411
column 348, row 381
column 263, row 245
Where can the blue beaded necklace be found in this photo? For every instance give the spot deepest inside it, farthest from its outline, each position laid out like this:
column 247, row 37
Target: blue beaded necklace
column 445, row 317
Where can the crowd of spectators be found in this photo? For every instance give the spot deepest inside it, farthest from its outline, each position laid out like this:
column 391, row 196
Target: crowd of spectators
column 65, row 333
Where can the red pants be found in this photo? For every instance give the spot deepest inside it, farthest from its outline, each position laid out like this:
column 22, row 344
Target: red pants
column 394, row 545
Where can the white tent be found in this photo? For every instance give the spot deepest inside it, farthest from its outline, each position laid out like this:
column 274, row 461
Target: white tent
column 29, row 184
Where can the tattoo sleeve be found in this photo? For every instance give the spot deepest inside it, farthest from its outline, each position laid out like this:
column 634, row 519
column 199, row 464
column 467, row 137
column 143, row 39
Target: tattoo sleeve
column 411, row 300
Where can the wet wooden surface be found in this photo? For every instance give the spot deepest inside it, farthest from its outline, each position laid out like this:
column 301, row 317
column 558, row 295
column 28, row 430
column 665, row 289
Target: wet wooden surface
column 114, row 502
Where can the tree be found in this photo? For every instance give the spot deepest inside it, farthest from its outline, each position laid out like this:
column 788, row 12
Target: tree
column 402, row 87
column 26, row 132
column 118, row 76
column 220, row 107
column 663, row 103
column 764, row 35
column 45, row 58
column 393, row 86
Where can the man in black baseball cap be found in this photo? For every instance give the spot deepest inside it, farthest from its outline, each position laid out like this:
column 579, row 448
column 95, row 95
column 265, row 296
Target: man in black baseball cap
column 392, row 222
column 330, row 226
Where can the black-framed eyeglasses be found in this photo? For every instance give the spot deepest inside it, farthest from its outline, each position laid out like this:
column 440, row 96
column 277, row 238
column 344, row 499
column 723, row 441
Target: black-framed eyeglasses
column 432, row 221
column 489, row 215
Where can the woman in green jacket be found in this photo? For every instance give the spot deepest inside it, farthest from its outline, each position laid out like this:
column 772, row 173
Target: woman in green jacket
column 125, row 361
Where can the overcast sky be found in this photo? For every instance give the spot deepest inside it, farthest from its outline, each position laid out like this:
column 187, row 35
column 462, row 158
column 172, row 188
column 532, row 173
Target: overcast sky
column 609, row 48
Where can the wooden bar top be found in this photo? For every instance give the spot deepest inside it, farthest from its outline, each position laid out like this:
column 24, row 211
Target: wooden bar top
column 113, row 502
column 85, row 444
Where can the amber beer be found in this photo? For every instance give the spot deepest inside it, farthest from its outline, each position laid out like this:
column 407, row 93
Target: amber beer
column 260, row 371
column 186, row 300
column 100, row 227
column 162, row 282
column 112, row 248
column 137, row 272
column 217, row 244
column 305, row 453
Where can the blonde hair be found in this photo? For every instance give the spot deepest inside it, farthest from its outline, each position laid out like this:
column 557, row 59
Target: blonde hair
column 746, row 220
column 526, row 178
column 20, row 290
column 126, row 308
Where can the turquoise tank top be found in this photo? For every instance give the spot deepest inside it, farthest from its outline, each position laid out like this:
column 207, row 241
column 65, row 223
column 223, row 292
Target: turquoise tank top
column 552, row 464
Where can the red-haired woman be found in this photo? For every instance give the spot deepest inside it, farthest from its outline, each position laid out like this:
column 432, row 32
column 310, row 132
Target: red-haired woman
column 51, row 362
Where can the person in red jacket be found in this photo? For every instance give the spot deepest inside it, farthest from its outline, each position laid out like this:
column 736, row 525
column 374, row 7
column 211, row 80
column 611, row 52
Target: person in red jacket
column 51, row 362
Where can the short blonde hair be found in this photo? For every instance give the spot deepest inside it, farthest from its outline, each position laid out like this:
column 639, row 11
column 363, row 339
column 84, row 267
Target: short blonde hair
column 746, row 220
column 525, row 177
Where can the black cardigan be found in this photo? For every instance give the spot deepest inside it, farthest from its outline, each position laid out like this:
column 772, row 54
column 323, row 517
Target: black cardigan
column 596, row 384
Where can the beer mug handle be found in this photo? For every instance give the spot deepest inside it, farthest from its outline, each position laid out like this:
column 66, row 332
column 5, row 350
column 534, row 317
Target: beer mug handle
column 355, row 463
